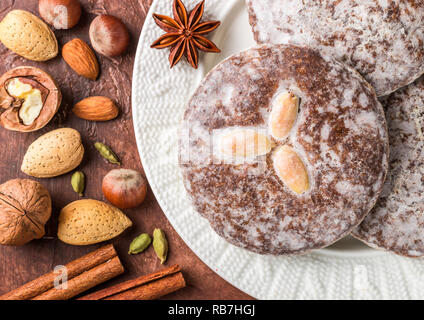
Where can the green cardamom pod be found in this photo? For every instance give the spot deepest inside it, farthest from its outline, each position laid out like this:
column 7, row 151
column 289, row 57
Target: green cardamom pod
column 160, row 244
column 78, row 182
column 139, row 244
column 107, row 153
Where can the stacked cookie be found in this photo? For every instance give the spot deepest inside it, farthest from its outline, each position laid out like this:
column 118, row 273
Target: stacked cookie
column 397, row 221
column 383, row 40
column 284, row 148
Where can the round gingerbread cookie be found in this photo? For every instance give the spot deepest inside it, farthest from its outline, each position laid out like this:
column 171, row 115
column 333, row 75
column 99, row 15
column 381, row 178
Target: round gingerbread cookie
column 383, row 40
column 397, row 221
column 283, row 150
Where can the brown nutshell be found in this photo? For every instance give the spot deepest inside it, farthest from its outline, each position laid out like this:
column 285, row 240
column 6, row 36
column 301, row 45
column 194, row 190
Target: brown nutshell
column 61, row 14
column 109, row 36
column 10, row 106
column 25, row 207
column 28, row 36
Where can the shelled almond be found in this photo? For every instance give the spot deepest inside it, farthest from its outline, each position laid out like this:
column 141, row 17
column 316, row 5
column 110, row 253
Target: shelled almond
column 283, row 115
column 96, row 109
column 245, row 143
column 79, row 56
column 291, row 169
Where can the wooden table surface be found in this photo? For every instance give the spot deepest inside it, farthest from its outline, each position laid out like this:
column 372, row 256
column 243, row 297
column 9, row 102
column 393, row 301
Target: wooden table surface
column 19, row 265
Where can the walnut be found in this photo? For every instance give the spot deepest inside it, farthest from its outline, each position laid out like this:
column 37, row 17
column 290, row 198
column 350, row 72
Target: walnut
column 25, row 207
column 29, row 98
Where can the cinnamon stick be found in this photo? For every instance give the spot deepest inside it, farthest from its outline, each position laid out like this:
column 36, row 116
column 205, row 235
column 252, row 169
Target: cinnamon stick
column 147, row 287
column 153, row 290
column 85, row 281
column 74, row 268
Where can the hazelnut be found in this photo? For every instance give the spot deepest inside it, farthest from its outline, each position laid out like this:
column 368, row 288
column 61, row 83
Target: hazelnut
column 61, row 14
column 124, row 188
column 29, row 98
column 109, row 36
column 25, row 207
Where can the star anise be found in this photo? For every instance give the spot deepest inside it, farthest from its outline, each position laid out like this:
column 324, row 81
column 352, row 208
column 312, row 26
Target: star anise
column 185, row 33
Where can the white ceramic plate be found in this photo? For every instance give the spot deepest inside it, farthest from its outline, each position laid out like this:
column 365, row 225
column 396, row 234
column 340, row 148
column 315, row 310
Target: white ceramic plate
column 347, row 270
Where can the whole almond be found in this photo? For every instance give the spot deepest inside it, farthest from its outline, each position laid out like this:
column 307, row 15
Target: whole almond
column 28, row 36
column 291, row 169
column 96, row 109
column 245, row 143
column 53, row 154
column 86, row 222
column 79, row 56
column 283, row 115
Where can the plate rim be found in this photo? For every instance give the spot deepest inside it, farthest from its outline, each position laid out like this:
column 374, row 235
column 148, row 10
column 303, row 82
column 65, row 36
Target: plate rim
column 141, row 154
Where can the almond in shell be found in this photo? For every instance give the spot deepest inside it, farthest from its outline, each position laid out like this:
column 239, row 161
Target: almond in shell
column 28, row 36
column 79, row 56
column 53, row 154
column 96, row 109
column 86, row 222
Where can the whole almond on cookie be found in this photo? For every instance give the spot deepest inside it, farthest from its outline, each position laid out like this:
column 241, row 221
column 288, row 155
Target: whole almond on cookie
column 53, row 154
column 96, row 109
column 283, row 115
column 28, row 36
column 291, row 169
column 244, row 143
column 86, row 222
column 79, row 56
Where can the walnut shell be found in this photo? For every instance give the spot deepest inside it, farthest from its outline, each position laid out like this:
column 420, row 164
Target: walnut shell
column 9, row 106
column 25, row 207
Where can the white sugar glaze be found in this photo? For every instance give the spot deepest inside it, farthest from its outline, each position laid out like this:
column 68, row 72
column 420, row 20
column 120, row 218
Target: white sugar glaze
column 382, row 39
column 397, row 221
column 340, row 134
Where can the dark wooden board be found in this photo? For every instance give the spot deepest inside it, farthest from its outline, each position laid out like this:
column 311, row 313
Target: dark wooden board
column 19, row 265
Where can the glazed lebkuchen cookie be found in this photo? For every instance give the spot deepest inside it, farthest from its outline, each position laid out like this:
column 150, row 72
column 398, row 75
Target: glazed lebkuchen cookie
column 397, row 221
column 283, row 150
column 383, row 40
